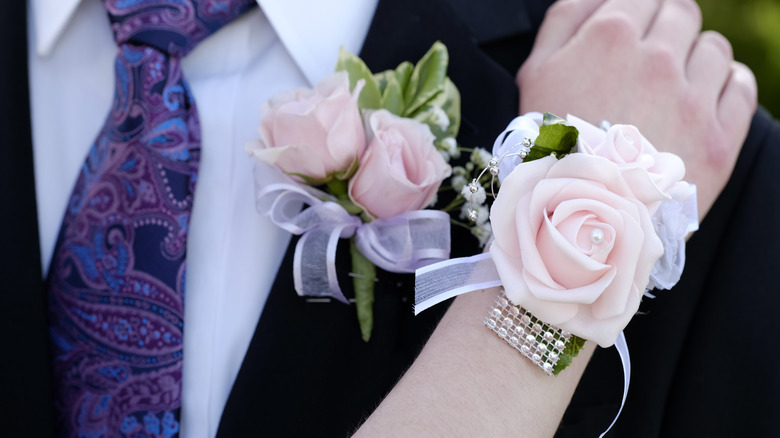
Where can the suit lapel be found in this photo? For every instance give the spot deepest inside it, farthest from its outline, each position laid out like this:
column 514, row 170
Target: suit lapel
column 307, row 372
column 23, row 335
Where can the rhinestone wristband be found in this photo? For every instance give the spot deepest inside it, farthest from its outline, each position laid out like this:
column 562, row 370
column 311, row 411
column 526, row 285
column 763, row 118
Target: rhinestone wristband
column 549, row 347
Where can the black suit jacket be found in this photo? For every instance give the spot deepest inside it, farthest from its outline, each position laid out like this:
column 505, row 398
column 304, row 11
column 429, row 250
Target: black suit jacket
column 702, row 354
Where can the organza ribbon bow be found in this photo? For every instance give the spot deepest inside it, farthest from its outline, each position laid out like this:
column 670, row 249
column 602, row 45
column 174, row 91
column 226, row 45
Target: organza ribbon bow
column 398, row 244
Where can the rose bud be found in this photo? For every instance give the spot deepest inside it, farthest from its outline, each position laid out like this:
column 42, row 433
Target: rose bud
column 313, row 134
column 401, row 170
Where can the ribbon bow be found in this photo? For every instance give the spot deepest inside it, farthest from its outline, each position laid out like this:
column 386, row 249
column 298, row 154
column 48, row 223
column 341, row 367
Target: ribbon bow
column 399, row 244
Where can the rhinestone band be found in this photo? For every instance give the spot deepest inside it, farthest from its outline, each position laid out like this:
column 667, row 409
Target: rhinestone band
column 538, row 341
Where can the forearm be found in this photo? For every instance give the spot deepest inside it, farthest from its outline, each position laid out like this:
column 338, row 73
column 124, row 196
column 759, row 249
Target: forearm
column 469, row 382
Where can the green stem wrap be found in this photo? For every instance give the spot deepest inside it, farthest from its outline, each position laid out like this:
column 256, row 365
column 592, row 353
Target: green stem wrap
column 363, row 279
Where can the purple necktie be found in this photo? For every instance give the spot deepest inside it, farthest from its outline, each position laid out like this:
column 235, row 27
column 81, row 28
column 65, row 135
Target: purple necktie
column 116, row 282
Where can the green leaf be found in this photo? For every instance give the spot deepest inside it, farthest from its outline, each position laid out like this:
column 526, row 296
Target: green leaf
column 451, row 107
column 427, row 78
column 403, row 74
column 568, row 354
column 556, row 136
column 364, row 279
column 430, row 115
column 382, row 78
column 370, row 97
column 392, row 84
column 448, row 101
column 393, row 96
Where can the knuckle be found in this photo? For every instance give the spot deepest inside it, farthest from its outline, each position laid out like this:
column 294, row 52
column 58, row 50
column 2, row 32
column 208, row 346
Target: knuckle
column 718, row 41
column 690, row 8
column 662, row 60
column 616, row 27
column 745, row 81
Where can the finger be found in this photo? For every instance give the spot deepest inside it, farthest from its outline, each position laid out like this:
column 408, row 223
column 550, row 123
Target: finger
column 636, row 14
column 738, row 101
column 709, row 65
column 676, row 27
column 561, row 22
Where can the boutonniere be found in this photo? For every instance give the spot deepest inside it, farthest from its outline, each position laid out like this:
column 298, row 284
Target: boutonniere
column 366, row 153
column 585, row 222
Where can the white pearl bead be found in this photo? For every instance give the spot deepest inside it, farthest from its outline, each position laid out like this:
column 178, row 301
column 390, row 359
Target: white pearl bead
column 597, row 236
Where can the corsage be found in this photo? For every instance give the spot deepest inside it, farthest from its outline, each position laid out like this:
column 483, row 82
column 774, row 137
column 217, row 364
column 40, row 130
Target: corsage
column 587, row 220
column 366, row 153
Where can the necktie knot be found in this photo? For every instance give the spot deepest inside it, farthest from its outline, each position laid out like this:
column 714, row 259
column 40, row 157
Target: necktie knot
column 174, row 27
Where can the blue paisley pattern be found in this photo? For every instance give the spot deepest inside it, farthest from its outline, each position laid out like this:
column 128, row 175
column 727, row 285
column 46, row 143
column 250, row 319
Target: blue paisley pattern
column 116, row 282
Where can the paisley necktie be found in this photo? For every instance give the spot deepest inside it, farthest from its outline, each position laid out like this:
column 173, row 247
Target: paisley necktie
column 117, row 278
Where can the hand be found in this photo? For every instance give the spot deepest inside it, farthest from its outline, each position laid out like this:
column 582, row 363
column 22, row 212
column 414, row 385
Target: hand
column 645, row 63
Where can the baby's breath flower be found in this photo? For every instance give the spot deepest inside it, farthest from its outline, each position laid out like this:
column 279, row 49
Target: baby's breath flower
column 481, row 158
column 458, row 182
column 474, row 193
column 476, row 213
column 449, row 145
column 483, row 233
column 439, row 118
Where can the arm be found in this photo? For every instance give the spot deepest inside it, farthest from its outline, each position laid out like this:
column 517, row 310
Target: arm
column 468, row 382
column 642, row 62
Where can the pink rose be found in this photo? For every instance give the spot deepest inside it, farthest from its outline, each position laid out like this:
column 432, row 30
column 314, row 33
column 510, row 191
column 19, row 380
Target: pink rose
column 313, row 134
column 653, row 176
column 573, row 245
column 401, row 170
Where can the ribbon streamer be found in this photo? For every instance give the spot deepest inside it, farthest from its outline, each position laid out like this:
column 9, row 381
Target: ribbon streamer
column 399, row 244
column 444, row 280
column 622, row 348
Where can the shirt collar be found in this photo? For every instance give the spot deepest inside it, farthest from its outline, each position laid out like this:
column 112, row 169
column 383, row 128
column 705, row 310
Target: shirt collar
column 312, row 31
column 51, row 18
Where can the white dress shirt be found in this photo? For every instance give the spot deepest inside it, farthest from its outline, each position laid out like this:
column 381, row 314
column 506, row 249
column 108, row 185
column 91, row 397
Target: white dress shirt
column 233, row 252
